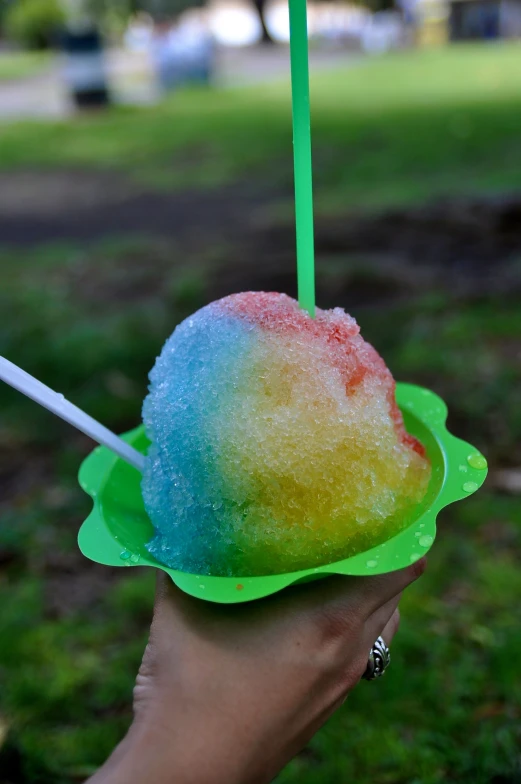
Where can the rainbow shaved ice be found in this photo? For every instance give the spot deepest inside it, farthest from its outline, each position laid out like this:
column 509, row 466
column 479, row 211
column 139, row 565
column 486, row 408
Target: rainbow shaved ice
column 276, row 442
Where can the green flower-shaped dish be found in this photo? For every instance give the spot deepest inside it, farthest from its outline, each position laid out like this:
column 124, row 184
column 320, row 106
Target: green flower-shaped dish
column 118, row 528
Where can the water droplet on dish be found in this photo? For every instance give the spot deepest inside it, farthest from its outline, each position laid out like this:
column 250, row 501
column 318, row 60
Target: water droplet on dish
column 125, row 555
column 477, row 461
column 422, row 525
column 414, row 557
column 470, row 487
column 371, row 564
column 463, row 468
column 201, row 586
column 425, row 541
column 134, row 558
column 60, row 396
column 418, row 533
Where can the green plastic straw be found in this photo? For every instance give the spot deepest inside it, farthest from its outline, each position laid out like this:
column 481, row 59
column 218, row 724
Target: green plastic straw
column 302, row 155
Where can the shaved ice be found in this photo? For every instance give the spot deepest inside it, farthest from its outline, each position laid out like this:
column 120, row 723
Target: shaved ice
column 276, row 442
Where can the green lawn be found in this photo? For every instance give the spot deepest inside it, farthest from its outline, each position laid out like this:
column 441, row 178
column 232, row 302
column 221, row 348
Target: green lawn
column 400, row 128
column 17, row 65
column 89, row 320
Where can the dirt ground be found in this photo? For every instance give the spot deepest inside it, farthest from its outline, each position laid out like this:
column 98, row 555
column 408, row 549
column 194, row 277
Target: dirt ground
column 464, row 240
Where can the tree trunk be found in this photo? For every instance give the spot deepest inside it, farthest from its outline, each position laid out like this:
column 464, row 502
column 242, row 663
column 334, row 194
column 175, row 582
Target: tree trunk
column 260, row 6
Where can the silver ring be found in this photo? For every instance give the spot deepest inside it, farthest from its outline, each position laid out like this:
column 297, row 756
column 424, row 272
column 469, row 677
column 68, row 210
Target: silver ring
column 379, row 660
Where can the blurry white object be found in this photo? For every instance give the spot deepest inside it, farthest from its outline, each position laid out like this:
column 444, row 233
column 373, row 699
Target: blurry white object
column 277, row 21
column 383, row 31
column 331, row 21
column 84, row 70
column 337, row 21
column 183, row 54
column 139, row 34
column 409, row 10
column 234, row 24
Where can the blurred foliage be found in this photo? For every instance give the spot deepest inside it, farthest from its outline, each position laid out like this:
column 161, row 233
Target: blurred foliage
column 34, row 23
column 159, row 10
column 168, row 9
column 89, row 319
column 111, row 15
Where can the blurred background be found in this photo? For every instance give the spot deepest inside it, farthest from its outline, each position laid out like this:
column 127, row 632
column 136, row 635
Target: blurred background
column 146, row 169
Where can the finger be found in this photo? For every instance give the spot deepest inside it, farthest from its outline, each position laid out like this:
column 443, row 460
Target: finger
column 381, row 621
column 166, row 600
column 370, row 593
column 384, row 623
column 160, row 603
column 380, row 628
column 391, row 627
column 163, row 585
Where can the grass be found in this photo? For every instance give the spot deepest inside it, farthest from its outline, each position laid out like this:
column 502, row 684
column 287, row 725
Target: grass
column 19, row 65
column 404, row 127
column 88, row 320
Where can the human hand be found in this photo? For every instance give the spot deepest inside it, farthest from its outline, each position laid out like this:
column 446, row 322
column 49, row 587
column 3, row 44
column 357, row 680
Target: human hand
column 229, row 694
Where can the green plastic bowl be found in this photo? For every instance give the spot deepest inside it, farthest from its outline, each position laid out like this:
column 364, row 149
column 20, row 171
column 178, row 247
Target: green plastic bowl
column 118, row 528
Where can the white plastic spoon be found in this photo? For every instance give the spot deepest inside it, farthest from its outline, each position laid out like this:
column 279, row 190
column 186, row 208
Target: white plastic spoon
column 55, row 402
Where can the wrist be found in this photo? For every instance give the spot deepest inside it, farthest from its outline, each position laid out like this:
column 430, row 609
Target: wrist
column 181, row 752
